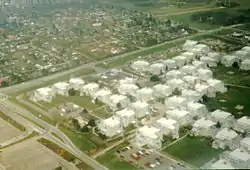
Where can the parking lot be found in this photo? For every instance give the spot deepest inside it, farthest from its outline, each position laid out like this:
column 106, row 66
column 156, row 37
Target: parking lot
column 146, row 159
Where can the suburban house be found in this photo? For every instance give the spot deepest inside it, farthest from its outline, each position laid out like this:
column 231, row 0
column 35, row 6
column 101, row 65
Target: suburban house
column 201, row 88
column 61, row 88
column 191, row 81
column 226, row 138
column 215, row 86
column 204, row 127
column 191, row 95
column 110, row 126
column 190, row 56
column 199, row 64
column 150, row 136
column 173, row 74
column 176, row 84
column 188, row 69
column 204, row 74
column 169, row 64
column 189, row 44
column 180, row 61
column 168, row 126
column 245, row 65
column 228, row 60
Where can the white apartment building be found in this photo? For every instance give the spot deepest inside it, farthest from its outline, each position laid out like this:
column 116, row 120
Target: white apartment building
column 204, row 74
column 61, row 88
column 118, row 101
column 144, row 94
column 191, row 81
column 76, row 83
column 197, row 109
column 226, row 119
column 183, row 117
column 191, row 95
column 173, row 74
column 204, row 127
column 140, row 65
column 161, row 90
column 188, row 69
column 177, row 84
column 89, row 89
column 239, row 159
column 44, row 94
column 228, row 60
column 157, row 68
column 216, row 86
column 222, row 164
column 150, row 136
column 127, row 89
column 127, row 116
column 245, row 144
column 180, row 61
column 140, row 108
column 226, row 138
column 168, row 126
column 199, row 64
column 110, row 126
column 169, row 64
column 175, row 102
column 103, row 95
column 242, row 124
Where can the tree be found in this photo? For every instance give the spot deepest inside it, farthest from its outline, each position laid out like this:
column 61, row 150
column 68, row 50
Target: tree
column 75, row 123
column 58, row 168
column 177, row 92
column 244, row 134
column 84, row 129
column 72, row 92
column 92, row 123
column 218, row 125
column 155, row 78
column 235, row 65
column 4, row 84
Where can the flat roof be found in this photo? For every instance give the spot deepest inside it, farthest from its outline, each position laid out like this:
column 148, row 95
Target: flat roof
column 227, row 134
column 220, row 114
column 125, row 112
column 177, row 113
column 239, row 154
column 166, row 122
column 111, row 121
column 149, row 131
column 222, row 164
column 202, row 122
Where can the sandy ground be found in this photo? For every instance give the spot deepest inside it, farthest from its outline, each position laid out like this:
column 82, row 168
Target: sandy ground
column 7, row 131
column 31, row 155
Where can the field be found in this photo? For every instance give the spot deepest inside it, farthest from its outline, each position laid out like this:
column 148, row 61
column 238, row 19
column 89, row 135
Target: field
column 7, row 131
column 31, row 150
column 195, row 151
column 110, row 160
column 12, row 122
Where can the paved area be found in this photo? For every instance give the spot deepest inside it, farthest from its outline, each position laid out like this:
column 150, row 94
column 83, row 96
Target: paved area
column 31, row 155
column 7, row 131
column 144, row 160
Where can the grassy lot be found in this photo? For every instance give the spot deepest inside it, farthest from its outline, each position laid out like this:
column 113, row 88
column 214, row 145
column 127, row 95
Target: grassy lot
column 12, row 122
column 195, row 151
column 79, row 140
column 63, row 153
column 81, row 72
column 35, row 112
column 102, row 113
column 110, row 160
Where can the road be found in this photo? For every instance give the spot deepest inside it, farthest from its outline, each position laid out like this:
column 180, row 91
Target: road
column 66, row 141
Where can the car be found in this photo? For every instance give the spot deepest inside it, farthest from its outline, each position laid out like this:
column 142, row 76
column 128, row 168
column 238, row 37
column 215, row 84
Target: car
column 121, row 156
column 118, row 151
column 157, row 163
column 131, row 162
column 147, row 164
column 141, row 168
column 158, row 159
column 141, row 153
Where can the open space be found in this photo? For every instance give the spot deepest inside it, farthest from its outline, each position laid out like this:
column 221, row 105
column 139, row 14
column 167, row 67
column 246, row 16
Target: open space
column 196, row 151
column 19, row 157
column 7, row 131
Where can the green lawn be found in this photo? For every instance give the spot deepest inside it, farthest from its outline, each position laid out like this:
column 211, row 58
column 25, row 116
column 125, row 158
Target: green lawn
column 195, row 151
column 79, row 140
column 111, row 161
column 102, row 113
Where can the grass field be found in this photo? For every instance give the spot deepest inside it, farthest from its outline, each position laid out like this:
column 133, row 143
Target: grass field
column 79, row 140
column 110, row 160
column 195, row 151
column 101, row 112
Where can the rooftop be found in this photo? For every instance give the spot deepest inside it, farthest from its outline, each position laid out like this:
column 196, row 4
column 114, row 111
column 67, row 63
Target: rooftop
column 145, row 90
column 111, row 121
column 116, row 98
column 246, row 141
column 44, row 90
column 61, row 85
column 226, row 134
column 202, row 122
column 149, row 131
column 222, row 164
column 76, row 81
column 220, row 114
column 140, row 104
column 239, row 154
column 125, row 113
column 244, row 120
column 166, row 122
column 177, row 113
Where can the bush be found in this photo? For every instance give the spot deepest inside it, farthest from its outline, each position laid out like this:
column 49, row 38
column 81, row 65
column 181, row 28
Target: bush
column 155, row 78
